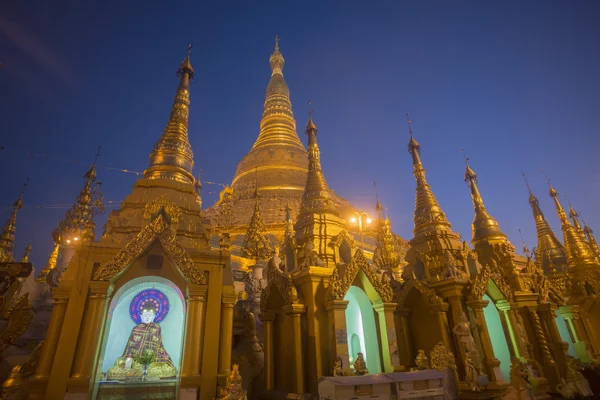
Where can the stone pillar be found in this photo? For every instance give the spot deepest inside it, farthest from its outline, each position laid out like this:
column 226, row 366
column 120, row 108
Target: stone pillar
column 338, row 335
column 192, row 355
column 61, row 299
column 295, row 311
column 557, row 346
column 226, row 338
column 90, row 337
column 520, row 342
column 440, row 310
column 489, row 358
column 268, row 317
column 389, row 343
column 549, row 365
column 405, row 345
column 510, row 324
column 577, row 331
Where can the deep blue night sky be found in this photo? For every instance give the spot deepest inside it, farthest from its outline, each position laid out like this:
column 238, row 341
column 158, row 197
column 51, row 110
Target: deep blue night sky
column 514, row 83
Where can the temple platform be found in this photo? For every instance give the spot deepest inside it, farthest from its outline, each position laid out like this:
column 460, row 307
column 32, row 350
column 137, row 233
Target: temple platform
column 138, row 390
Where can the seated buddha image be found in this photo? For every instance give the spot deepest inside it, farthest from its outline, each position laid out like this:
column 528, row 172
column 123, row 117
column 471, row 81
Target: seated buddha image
column 144, row 355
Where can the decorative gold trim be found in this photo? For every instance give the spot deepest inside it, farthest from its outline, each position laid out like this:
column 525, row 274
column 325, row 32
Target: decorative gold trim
column 339, row 286
column 490, row 271
column 265, row 167
column 429, row 293
column 162, row 203
column 159, row 229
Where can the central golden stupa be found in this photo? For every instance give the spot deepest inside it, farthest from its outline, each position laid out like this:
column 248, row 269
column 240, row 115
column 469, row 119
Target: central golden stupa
column 275, row 168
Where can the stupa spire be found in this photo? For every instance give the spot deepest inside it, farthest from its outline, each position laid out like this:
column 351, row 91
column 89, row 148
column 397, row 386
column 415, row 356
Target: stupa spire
column 549, row 252
column 7, row 238
column 256, row 242
column 50, row 265
column 589, row 233
column 277, row 125
column 277, row 152
column 578, row 250
column 172, row 156
column 428, row 213
column 574, row 215
column 316, row 196
column 78, row 224
column 484, row 226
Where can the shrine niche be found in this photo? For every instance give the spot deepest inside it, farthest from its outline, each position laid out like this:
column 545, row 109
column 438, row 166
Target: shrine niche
column 144, row 332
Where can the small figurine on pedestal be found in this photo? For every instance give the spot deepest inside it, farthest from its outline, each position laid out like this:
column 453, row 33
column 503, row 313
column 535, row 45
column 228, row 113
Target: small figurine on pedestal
column 338, row 367
column 421, row 361
column 519, row 385
column 233, row 389
column 471, row 373
column 576, row 384
column 360, row 366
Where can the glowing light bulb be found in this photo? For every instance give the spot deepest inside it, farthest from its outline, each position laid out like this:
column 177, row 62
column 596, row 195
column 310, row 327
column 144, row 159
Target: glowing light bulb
column 353, row 220
column 75, row 238
column 368, row 220
column 68, row 240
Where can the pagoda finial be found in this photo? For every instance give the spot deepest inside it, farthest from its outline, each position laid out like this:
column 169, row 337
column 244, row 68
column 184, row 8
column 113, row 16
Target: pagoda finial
column 7, row 238
column 378, row 207
column 317, row 195
column 256, row 242
column 25, row 257
column 172, row 157
column 589, row 233
column 574, row 215
column 525, row 248
column 50, row 265
column 428, row 213
column 484, row 226
column 550, row 252
column 78, row 224
column 276, row 60
column 578, row 250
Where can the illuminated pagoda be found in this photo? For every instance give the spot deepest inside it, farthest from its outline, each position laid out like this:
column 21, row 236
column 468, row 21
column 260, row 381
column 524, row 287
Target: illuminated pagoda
column 282, row 282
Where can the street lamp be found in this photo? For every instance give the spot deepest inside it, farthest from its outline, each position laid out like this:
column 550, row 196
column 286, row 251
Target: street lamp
column 362, row 219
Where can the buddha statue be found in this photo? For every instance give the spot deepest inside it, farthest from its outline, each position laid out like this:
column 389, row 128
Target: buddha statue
column 421, row 361
column 360, row 366
column 144, row 354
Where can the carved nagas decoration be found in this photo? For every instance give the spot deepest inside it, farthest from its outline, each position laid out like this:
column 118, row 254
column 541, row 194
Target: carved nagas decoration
column 429, row 293
column 339, row 285
column 159, row 228
column 162, row 203
column 282, row 282
column 480, row 282
column 20, row 318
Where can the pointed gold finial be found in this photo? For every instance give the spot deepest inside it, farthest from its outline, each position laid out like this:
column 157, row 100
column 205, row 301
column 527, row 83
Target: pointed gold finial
column 317, row 195
column 578, row 250
column 574, row 215
column 25, row 257
column 484, row 226
column 78, row 224
column 256, row 243
column 428, row 213
column 525, row 248
column 589, row 233
column 378, row 207
column 550, row 252
column 172, row 157
column 50, row 265
column 276, row 60
column 7, row 238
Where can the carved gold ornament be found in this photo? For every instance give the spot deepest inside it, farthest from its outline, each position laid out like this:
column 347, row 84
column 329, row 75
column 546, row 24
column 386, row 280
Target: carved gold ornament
column 338, row 286
column 282, row 283
column 162, row 203
column 429, row 293
column 159, row 229
column 480, row 281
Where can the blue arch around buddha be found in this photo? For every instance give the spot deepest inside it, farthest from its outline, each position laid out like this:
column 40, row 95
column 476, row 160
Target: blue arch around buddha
column 170, row 314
